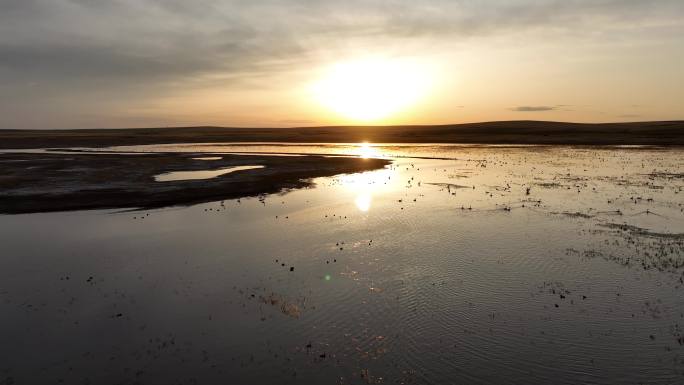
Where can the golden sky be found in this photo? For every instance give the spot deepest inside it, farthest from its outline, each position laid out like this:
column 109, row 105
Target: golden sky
column 90, row 64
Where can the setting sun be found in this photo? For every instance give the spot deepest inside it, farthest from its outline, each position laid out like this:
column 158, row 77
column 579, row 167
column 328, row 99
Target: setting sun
column 371, row 89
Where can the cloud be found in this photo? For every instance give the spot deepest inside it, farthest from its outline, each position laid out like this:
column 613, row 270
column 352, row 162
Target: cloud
column 154, row 39
column 533, row 108
column 99, row 51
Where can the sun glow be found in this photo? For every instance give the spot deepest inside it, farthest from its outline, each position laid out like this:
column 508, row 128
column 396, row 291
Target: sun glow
column 372, row 89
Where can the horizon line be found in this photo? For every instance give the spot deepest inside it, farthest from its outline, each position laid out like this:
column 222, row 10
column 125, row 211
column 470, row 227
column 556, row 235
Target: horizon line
column 351, row 125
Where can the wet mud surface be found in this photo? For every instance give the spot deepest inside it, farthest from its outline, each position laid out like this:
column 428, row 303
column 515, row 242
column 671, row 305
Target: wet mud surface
column 58, row 182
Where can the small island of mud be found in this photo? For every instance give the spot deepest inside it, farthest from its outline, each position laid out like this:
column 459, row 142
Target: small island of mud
column 41, row 182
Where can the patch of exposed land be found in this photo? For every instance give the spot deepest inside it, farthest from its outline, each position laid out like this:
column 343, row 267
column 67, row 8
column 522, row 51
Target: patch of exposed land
column 59, row 182
column 665, row 133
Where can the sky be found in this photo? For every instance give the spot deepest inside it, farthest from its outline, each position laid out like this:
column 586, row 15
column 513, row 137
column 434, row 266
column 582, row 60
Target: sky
column 147, row 63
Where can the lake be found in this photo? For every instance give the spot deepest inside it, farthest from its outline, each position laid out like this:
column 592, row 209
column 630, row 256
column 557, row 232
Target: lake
column 456, row 264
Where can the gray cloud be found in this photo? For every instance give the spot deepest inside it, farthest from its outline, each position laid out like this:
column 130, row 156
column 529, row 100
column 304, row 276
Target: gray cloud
column 533, row 108
column 158, row 38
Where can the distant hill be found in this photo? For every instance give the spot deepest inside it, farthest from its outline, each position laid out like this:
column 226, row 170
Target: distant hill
column 665, row 133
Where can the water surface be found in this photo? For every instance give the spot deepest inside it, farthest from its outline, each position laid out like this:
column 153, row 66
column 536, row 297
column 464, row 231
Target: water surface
column 508, row 265
column 200, row 174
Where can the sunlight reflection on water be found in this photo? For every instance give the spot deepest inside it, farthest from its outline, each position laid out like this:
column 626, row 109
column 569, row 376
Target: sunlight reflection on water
column 363, row 201
column 365, row 185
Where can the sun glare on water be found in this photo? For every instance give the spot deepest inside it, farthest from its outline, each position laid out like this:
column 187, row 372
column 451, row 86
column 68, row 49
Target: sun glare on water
column 366, row 150
column 365, row 185
column 369, row 90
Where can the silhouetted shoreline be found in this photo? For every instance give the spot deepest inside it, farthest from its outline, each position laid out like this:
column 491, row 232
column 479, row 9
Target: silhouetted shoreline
column 62, row 182
column 665, row 133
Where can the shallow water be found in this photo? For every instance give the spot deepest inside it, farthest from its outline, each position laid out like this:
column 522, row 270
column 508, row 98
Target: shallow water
column 200, row 174
column 510, row 265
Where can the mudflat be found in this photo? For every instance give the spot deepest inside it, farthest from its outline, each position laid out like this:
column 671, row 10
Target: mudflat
column 58, row 182
column 664, row 133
